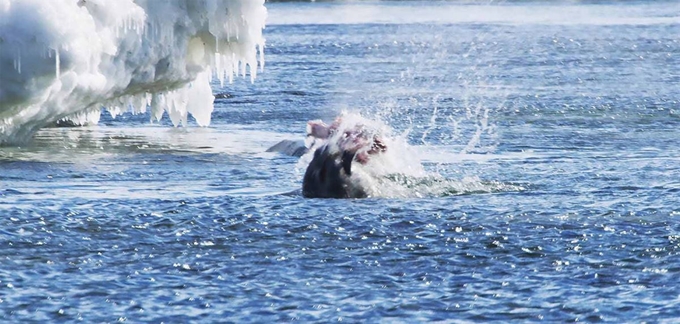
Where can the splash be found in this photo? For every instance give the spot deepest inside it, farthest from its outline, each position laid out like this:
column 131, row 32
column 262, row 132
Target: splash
column 397, row 171
column 66, row 59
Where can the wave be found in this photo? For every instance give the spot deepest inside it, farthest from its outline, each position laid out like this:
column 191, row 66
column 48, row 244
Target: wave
column 66, row 59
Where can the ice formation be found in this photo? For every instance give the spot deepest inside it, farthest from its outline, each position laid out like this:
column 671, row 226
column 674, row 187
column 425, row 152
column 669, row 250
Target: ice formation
column 66, row 59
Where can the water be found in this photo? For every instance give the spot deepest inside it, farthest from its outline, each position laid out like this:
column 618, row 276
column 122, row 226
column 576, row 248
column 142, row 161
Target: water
column 549, row 132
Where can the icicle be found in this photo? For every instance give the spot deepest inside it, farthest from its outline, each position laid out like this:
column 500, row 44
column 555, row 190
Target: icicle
column 219, row 69
column 57, row 63
column 114, row 111
column 17, row 61
column 260, row 50
column 157, row 103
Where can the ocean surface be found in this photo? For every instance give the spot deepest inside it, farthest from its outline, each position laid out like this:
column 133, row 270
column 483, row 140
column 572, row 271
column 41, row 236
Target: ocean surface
column 549, row 133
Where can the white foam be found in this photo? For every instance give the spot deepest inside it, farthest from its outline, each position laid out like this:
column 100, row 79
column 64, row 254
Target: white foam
column 67, row 58
column 398, row 157
column 398, row 172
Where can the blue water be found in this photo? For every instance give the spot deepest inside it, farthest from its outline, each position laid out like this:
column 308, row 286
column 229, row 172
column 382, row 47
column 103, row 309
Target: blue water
column 553, row 126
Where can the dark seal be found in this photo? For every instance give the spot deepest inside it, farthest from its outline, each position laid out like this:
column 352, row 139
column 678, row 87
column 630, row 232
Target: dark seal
column 328, row 176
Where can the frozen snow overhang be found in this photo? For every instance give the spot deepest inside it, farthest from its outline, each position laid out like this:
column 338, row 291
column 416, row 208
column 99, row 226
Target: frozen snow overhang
column 66, row 59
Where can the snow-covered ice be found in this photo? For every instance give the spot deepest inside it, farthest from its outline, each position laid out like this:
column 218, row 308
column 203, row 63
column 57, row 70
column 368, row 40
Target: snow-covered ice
column 66, row 59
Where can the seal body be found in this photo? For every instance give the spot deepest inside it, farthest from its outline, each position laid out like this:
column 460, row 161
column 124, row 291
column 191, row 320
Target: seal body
column 329, row 176
column 288, row 147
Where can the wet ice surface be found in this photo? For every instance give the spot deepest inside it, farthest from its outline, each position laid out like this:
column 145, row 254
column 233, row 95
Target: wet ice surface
column 556, row 147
